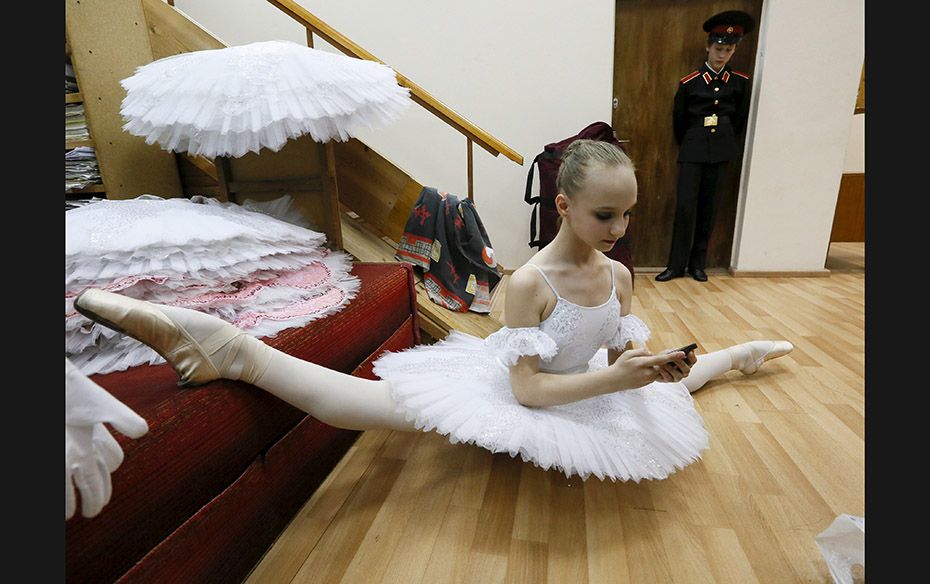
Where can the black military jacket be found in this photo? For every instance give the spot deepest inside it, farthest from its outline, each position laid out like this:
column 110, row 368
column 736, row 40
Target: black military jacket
column 702, row 95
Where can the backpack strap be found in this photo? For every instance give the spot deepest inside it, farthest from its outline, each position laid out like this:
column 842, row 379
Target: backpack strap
column 528, row 197
column 531, row 200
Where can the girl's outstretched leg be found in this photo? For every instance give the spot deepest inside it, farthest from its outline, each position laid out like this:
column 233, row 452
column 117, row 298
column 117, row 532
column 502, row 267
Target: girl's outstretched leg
column 202, row 348
column 747, row 357
column 330, row 396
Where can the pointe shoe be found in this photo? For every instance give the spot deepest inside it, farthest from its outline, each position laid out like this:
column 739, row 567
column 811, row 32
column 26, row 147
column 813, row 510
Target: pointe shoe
column 779, row 348
column 167, row 330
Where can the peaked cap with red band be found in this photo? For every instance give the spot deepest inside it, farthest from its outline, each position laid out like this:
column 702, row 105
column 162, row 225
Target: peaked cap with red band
column 728, row 27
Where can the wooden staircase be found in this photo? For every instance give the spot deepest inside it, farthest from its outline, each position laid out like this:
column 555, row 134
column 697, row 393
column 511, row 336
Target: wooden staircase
column 362, row 242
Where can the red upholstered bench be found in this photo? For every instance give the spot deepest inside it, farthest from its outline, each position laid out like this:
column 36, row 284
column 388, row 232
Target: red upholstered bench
column 225, row 466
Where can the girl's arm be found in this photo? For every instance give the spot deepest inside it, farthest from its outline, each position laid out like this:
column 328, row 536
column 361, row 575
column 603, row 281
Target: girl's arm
column 525, row 303
column 635, row 368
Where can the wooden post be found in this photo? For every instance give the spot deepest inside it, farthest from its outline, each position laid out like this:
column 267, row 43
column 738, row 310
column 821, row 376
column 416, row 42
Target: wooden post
column 222, row 177
column 331, row 193
column 309, row 38
column 471, row 175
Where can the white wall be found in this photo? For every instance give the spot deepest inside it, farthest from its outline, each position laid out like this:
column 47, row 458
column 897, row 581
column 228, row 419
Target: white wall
column 855, row 148
column 807, row 76
column 524, row 71
column 531, row 72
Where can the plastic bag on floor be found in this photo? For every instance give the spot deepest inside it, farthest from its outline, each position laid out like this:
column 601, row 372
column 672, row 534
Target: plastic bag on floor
column 843, row 547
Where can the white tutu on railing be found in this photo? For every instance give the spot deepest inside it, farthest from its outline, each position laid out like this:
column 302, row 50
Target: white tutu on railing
column 230, row 101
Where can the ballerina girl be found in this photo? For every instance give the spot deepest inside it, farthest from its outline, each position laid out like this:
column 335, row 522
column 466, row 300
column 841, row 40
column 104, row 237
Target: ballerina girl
column 562, row 384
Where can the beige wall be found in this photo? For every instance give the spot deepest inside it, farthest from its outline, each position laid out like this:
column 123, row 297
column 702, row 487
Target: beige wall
column 807, row 77
column 531, row 72
column 855, row 149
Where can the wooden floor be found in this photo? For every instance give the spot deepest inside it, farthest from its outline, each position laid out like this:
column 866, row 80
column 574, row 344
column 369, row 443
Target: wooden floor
column 846, row 256
column 786, row 457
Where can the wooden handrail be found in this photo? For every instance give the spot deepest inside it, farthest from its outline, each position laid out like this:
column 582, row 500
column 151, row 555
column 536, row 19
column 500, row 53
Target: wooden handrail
column 417, row 93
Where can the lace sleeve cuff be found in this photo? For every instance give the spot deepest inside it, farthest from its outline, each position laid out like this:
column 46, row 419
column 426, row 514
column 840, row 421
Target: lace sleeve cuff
column 509, row 344
column 631, row 328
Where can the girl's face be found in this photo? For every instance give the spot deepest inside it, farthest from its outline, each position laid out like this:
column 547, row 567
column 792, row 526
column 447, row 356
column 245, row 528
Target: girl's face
column 719, row 55
column 599, row 213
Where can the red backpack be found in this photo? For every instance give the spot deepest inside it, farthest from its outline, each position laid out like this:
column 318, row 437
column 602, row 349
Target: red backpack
column 549, row 161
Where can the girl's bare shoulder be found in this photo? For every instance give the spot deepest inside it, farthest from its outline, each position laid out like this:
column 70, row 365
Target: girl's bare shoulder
column 622, row 273
column 525, row 280
column 526, row 297
column 624, row 281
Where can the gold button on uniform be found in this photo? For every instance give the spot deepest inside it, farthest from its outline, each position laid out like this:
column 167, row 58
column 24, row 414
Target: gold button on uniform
column 716, row 89
column 712, row 130
column 716, row 101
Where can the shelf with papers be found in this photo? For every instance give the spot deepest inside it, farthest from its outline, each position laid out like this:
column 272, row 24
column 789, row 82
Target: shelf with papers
column 80, row 165
column 95, row 188
column 70, row 144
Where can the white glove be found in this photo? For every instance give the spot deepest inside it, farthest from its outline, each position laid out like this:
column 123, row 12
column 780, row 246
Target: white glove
column 91, row 452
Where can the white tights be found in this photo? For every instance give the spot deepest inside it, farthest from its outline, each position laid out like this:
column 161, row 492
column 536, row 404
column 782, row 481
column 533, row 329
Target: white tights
column 340, row 400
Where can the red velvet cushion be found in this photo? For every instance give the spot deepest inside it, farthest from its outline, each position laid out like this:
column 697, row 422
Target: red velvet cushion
column 202, row 439
column 227, row 537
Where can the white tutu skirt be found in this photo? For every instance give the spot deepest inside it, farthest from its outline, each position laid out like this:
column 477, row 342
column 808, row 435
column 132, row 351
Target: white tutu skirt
column 234, row 100
column 242, row 263
column 460, row 389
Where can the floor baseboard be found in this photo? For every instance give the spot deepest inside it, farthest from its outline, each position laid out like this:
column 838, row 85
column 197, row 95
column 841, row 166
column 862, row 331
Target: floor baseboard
column 779, row 273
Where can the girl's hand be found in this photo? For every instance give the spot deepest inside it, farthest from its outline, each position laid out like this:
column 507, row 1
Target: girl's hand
column 677, row 365
column 638, row 367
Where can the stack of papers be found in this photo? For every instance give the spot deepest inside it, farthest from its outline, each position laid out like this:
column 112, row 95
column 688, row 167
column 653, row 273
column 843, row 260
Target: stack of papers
column 71, row 85
column 81, row 168
column 75, row 122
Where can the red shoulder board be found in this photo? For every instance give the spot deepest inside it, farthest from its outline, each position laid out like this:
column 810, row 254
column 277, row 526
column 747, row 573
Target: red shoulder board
column 689, row 77
column 743, row 75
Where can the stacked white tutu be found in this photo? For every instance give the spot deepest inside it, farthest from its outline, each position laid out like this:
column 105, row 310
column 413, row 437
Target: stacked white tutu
column 226, row 102
column 247, row 267
column 460, row 387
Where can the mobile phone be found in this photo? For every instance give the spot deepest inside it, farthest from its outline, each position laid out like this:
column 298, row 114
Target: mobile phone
column 686, row 349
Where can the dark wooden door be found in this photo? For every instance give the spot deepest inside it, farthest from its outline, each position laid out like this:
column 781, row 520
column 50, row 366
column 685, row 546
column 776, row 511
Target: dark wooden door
column 656, row 43
column 849, row 217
